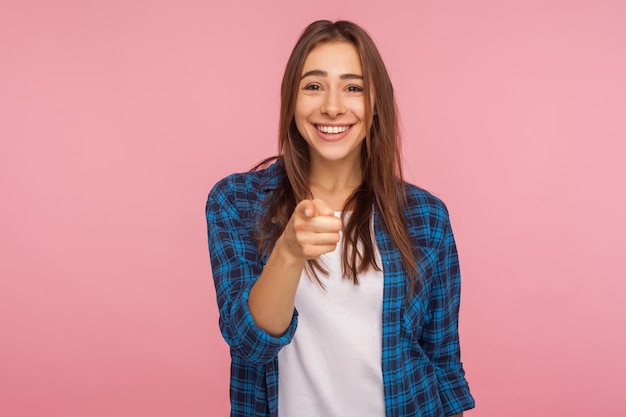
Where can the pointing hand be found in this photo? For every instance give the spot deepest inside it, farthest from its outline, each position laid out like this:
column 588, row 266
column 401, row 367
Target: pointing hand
column 312, row 230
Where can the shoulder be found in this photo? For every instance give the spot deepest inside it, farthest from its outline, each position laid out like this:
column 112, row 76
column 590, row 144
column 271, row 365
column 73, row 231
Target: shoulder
column 258, row 181
column 245, row 190
column 426, row 214
column 422, row 202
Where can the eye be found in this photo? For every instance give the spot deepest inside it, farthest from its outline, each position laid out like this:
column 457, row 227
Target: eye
column 354, row 89
column 312, row 87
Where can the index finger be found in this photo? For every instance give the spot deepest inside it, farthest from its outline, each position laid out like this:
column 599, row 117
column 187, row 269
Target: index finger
column 322, row 208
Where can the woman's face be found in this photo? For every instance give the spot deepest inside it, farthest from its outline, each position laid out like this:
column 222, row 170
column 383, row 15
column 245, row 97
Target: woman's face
column 330, row 106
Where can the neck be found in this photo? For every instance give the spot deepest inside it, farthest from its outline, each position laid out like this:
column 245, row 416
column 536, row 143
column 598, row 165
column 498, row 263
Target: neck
column 334, row 182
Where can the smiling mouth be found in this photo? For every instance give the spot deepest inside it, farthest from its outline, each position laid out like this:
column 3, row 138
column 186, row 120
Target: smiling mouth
column 332, row 129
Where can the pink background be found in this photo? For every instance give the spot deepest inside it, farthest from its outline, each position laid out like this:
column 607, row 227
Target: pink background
column 117, row 117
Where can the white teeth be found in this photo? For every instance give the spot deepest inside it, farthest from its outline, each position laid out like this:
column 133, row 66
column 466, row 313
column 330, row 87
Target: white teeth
column 332, row 129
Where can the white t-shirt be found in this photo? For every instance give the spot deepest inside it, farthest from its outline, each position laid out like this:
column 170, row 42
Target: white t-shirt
column 332, row 367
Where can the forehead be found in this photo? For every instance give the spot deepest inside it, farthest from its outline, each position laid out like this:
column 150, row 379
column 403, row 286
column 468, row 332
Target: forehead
column 331, row 57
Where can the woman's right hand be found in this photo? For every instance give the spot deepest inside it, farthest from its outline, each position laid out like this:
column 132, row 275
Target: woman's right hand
column 312, row 230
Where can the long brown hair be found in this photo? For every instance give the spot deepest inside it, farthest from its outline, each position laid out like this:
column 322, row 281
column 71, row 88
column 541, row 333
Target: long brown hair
column 382, row 182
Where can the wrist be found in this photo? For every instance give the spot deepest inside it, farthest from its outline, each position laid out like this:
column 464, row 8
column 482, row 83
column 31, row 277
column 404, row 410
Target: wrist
column 283, row 255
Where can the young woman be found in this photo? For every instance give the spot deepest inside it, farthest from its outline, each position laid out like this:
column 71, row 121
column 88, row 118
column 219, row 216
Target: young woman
column 337, row 283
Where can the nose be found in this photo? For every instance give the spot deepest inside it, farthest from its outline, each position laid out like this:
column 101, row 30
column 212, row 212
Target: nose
column 333, row 105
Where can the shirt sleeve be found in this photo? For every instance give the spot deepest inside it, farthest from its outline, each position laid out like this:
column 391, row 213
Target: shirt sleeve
column 441, row 334
column 236, row 267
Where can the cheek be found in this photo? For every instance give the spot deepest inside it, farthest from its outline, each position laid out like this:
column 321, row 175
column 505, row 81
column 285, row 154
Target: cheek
column 301, row 125
column 300, row 119
column 299, row 111
column 302, row 113
column 362, row 108
column 301, row 130
column 358, row 108
column 304, row 106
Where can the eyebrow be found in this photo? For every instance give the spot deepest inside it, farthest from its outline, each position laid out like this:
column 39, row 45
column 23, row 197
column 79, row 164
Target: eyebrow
column 320, row 73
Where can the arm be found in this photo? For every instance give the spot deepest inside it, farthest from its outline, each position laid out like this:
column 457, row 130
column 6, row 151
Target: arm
column 257, row 317
column 236, row 266
column 311, row 231
column 441, row 337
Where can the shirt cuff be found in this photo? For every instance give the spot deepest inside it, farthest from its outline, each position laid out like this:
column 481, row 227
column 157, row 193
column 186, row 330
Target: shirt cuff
column 454, row 391
column 258, row 346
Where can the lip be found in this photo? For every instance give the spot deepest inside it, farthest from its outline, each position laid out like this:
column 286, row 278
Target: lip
column 332, row 137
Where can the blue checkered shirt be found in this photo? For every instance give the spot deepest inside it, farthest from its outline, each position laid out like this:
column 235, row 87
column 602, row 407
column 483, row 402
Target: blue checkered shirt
column 422, row 372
